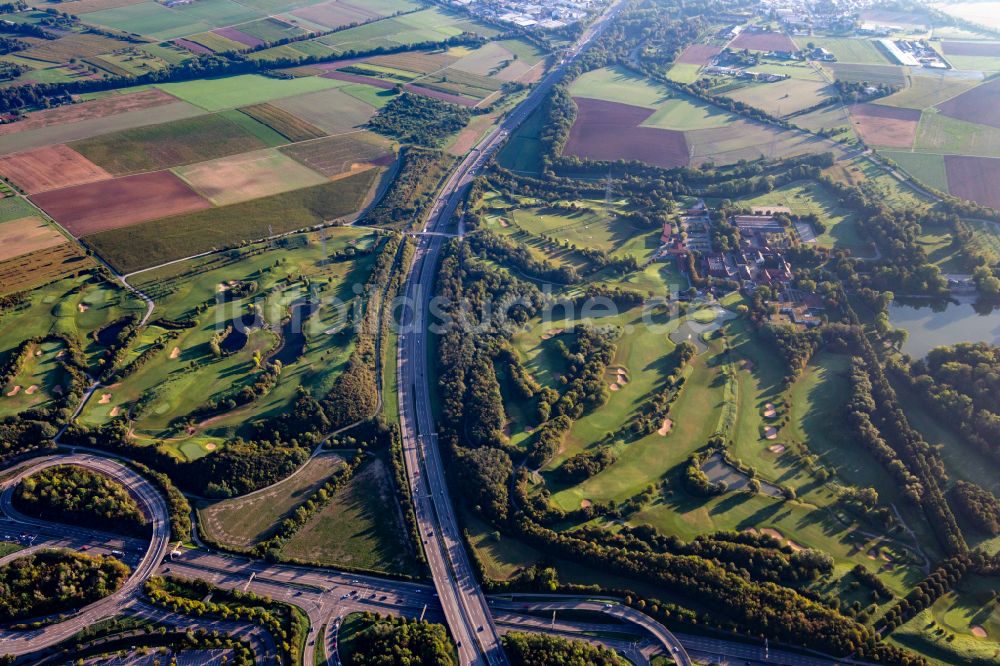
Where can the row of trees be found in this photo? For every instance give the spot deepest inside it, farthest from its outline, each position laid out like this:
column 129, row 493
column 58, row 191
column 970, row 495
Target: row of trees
column 411, row 193
column 524, row 649
column 287, row 624
column 16, row 99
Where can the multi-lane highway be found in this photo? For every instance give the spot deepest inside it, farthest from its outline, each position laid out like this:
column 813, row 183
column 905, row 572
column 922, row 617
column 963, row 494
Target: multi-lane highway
column 462, row 600
column 21, row 642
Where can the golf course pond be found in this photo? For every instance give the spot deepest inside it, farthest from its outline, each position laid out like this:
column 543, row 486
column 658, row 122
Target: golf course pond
column 934, row 323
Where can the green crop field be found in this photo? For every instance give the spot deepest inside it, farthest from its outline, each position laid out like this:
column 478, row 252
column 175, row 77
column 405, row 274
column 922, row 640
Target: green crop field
column 942, row 134
column 244, row 90
column 150, row 243
column 334, row 110
column 888, row 74
column 375, row 97
column 215, row 42
column 928, row 168
column 14, row 208
column 270, row 29
column 847, row 50
column 361, row 528
column 155, row 147
column 924, row 91
column 523, row 152
column 245, row 521
column 149, row 18
column 217, row 13
column 617, row 84
column 783, row 97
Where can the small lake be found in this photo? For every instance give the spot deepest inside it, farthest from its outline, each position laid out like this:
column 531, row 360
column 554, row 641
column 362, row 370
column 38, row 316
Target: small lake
column 935, row 323
column 292, row 333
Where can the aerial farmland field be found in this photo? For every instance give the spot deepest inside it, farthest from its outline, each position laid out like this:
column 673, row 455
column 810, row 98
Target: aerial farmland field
column 136, row 246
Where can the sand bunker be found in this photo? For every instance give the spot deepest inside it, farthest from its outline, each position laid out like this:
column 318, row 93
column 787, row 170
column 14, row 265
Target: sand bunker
column 615, row 387
column 105, row 399
column 770, row 432
column 622, row 376
column 210, row 446
column 666, row 427
column 771, row 532
column 31, row 389
column 14, row 391
column 504, row 223
column 115, row 411
column 769, row 411
column 776, row 448
column 82, row 307
column 586, row 504
column 175, row 353
column 978, row 631
column 551, row 333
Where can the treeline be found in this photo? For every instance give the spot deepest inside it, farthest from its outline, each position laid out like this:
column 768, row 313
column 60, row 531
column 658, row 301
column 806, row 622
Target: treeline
column 506, row 252
column 961, row 384
column 943, row 579
column 524, row 649
column 774, row 610
column 757, row 556
column 53, row 581
column 79, row 496
column 921, row 461
column 978, row 505
column 411, row 193
column 16, row 99
column 903, row 265
column 287, row 624
column 387, row 641
column 419, row 120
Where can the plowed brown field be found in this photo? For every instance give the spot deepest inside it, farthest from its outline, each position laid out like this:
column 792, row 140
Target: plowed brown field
column 28, row 234
column 978, row 105
column 610, row 131
column 891, row 126
column 974, row 178
column 698, row 54
column 98, row 108
column 763, row 41
column 110, row 204
column 50, row 168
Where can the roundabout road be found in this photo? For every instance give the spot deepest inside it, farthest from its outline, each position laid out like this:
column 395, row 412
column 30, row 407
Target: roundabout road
column 22, row 642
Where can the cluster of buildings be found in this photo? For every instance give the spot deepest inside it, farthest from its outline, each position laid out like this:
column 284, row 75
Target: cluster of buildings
column 530, row 13
column 802, row 17
column 759, row 259
column 738, row 73
column 913, row 52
